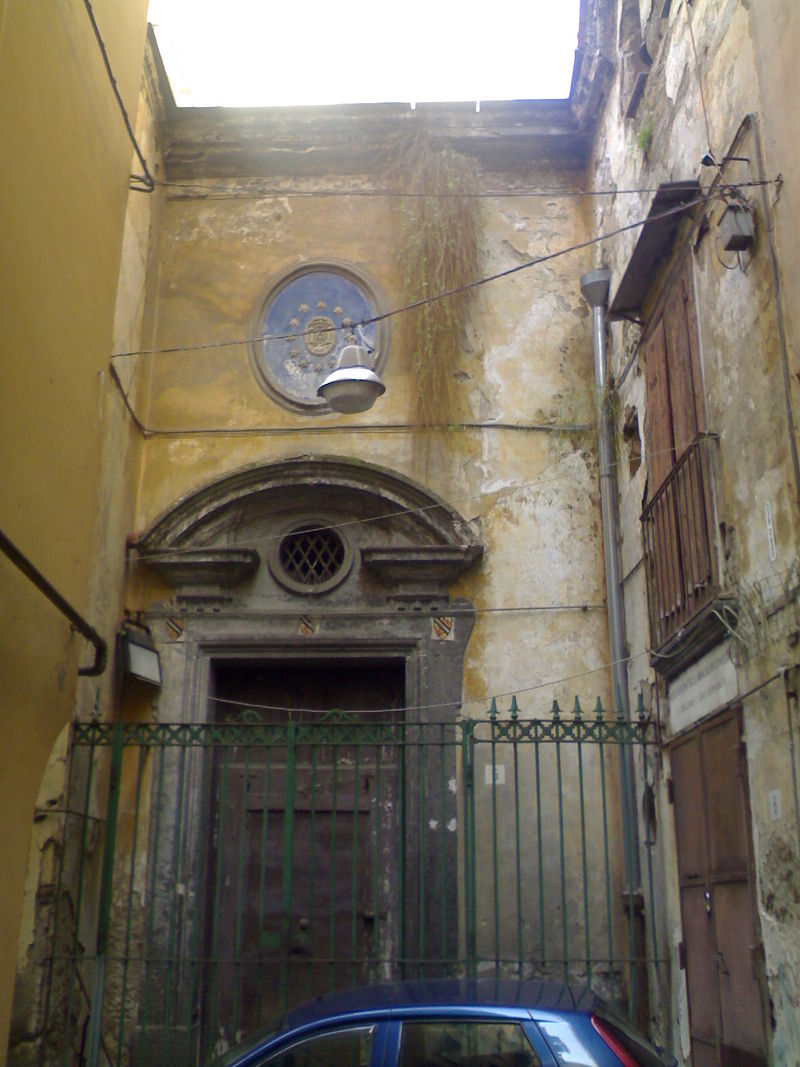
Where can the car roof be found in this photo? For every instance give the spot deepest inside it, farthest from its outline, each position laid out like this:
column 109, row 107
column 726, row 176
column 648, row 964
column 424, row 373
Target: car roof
column 423, row 997
column 442, row 993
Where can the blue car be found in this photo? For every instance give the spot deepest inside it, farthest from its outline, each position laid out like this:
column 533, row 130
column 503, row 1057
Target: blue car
column 451, row 1023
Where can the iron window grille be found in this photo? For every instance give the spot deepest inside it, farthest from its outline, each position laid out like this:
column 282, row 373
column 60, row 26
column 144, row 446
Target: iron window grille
column 311, row 558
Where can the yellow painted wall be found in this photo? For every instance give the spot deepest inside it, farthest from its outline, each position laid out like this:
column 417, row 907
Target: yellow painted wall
column 64, row 169
column 529, row 362
column 532, row 495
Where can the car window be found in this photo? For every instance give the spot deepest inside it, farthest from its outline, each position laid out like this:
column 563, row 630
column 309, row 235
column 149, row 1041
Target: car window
column 567, row 1047
column 455, row 1043
column 337, row 1048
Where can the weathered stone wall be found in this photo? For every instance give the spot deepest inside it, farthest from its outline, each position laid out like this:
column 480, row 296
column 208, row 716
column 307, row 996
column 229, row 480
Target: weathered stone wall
column 741, row 313
column 525, row 373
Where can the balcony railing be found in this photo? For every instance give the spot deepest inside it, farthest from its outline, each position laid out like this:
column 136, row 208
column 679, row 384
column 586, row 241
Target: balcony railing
column 679, row 545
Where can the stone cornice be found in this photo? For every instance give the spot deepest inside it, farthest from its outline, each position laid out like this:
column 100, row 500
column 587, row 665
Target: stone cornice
column 419, row 571
column 218, row 567
column 353, row 139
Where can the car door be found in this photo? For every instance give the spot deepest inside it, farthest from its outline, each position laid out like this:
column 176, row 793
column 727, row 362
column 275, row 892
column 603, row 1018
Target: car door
column 358, row 1044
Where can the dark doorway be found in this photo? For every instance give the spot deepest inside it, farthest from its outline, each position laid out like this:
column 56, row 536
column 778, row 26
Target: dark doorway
column 306, row 852
column 721, row 946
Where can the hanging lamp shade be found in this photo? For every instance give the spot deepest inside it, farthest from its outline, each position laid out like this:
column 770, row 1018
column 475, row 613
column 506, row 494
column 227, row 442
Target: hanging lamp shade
column 353, row 384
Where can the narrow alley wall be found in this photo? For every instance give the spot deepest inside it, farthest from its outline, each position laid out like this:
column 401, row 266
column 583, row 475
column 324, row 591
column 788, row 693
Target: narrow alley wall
column 670, row 102
column 65, row 166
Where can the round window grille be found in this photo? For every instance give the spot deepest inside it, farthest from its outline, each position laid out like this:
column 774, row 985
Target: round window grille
column 310, row 556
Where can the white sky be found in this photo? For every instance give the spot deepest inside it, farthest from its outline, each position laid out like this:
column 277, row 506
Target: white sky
column 261, row 53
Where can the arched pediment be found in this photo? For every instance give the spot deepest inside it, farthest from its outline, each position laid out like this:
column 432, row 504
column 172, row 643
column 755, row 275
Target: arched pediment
column 400, row 535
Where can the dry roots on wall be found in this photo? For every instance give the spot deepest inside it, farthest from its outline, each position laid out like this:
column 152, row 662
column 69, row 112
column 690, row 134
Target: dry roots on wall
column 439, row 252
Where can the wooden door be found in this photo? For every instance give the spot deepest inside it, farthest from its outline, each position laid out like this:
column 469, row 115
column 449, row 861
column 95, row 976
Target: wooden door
column 300, row 898
column 720, row 942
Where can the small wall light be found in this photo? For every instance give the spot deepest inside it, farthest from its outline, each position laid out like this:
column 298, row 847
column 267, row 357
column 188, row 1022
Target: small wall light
column 736, row 229
column 353, row 384
column 138, row 655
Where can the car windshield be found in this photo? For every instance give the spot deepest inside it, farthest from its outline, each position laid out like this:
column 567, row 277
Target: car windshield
column 256, row 1039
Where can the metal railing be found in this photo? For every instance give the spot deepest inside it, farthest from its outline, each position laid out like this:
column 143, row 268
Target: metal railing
column 679, row 545
column 244, row 867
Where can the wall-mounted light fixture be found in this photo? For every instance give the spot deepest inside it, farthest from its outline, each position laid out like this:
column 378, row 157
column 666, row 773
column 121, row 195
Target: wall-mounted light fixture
column 137, row 654
column 353, row 384
column 737, row 229
column 709, row 160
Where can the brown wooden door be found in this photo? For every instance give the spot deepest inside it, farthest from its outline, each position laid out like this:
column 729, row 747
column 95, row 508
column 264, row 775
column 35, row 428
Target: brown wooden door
column 721, row 946
column 300, row 898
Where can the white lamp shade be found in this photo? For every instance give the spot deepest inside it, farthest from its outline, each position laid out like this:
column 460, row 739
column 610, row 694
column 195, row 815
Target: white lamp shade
column 353, row 385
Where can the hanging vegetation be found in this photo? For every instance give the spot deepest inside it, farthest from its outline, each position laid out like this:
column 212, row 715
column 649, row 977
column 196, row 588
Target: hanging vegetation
column 439, row 252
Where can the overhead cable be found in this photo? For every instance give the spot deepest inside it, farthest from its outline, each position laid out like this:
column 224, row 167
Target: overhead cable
column 144, row 182
column 190, row 185
column 515, row 487
column 430, row 707
column 436, row 297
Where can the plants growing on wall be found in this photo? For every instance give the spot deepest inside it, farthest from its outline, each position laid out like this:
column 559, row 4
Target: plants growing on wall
column 644, row 135
column 438, row 253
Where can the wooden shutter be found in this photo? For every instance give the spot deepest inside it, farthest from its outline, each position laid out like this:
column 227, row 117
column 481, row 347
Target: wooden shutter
column 660, row 531
column 658, row 423
column 683, row 369
column 677, row 526
column 679, row 370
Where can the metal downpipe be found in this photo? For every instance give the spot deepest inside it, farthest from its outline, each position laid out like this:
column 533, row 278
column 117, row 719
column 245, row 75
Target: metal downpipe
column 594, row 287
column 77, row 621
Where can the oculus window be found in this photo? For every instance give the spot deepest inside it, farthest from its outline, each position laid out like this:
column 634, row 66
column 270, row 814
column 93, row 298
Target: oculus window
column 310, row 558
column 306, row 320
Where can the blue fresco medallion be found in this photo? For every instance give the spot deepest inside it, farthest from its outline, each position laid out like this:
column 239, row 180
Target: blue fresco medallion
column 306, row 323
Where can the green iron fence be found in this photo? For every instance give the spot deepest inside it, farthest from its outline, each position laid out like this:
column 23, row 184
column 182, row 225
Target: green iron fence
column 212, row 875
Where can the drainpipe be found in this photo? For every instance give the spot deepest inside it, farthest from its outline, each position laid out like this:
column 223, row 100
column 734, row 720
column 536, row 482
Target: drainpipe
column 594, row 287
column 9, row 549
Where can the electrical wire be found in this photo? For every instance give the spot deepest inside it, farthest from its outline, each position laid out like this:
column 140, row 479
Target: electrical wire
column 144, row 182
column 699, row 79
column 273, row 192
column 399, row 513
column 703, row 198
column 326, row 429
column 484, row 699
column 551, row 683
column 440, row 608
column 277, row 193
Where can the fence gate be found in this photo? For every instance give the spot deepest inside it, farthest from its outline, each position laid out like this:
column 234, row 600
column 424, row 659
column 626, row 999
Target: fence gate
column 232, row 870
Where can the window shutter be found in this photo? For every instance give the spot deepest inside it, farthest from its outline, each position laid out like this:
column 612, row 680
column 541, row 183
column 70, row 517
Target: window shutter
column 658, row 422
column 683, row 368
column 681, row 343
column 661, row 532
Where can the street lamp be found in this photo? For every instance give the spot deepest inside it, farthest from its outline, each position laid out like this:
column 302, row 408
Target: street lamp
column 353, row 385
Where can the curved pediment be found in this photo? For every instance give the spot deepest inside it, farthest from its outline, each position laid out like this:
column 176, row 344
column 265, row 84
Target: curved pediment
column 305, row 481
column 400, row 535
